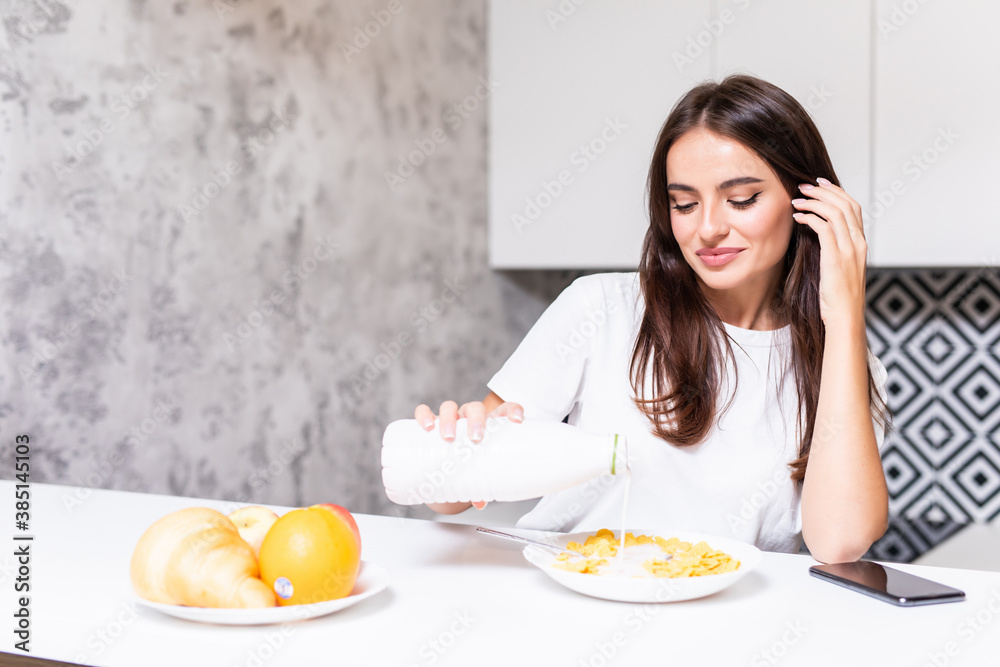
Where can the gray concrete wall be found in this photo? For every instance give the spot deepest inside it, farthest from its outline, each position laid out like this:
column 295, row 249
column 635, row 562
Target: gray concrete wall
column 208, row 285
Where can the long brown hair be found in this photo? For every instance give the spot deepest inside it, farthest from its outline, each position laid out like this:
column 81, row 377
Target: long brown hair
column 681, row 335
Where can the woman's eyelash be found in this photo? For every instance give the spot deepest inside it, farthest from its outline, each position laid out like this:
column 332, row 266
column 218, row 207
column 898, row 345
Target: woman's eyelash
column 746, row 203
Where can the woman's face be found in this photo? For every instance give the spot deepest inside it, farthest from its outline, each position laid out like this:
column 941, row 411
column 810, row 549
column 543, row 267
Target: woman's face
column 730, row 215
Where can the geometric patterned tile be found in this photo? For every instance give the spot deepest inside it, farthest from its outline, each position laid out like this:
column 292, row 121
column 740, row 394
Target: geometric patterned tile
column 979, row 391
column 979, row 304
column 938, row 348
column 895, row 303
column 901, row 543
column 876, row 341
column 901, row 388
column 938, row 283
column 900, row 473
column 936, row 515
column 993, row 447
column 938, row 334
column 900, row 454
column 979, row 478
column 937, row 433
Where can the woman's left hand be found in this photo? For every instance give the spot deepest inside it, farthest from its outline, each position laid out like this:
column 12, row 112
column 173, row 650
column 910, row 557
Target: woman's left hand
column 836, row 219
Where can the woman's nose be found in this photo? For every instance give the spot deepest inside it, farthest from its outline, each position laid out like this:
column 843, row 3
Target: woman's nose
column 713, row 222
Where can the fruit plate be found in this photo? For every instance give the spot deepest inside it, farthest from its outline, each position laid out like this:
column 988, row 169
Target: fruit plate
column 372, row 579
column 647, row 589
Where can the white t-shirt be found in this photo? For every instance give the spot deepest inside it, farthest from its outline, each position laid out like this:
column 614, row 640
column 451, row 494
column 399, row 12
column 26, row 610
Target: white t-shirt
column 735, row 483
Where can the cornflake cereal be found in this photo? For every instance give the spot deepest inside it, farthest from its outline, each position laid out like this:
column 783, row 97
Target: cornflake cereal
column 686, row 560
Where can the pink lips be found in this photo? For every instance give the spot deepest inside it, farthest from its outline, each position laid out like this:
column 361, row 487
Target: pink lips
column 718, row 256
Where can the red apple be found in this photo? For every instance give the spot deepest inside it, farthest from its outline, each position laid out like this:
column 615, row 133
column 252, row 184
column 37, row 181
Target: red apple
column 346, row 517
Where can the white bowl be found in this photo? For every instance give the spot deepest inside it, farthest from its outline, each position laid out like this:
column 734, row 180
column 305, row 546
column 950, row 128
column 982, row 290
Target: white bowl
column 371, row 580
column 647, row 589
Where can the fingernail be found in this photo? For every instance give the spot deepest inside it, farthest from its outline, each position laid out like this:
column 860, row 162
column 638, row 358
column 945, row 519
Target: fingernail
column 479, row 506
column 517, row 417
column 448, row 432
column 798, row 202
column 806, row 186
column 823, row 181
column 428, row 423
column 476, row 435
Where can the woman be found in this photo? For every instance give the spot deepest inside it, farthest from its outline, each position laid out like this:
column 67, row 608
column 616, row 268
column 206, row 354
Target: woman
column 735, row 360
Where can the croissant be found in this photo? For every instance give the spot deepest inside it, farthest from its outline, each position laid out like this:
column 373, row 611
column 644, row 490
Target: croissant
column 196, row 557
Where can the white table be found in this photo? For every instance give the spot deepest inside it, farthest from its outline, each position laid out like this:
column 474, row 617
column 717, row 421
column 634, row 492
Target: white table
column 460, row 598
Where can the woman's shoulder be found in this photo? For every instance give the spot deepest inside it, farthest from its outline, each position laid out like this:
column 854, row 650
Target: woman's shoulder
column 611, row 289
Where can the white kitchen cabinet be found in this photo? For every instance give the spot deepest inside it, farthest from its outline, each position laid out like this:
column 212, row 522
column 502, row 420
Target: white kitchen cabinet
column 904, row 92
column 937, row 140
column 817, row 52
column 583, row 90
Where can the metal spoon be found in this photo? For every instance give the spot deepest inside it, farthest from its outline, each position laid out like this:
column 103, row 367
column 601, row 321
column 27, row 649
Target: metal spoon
column 525, row 540
column 518, row 538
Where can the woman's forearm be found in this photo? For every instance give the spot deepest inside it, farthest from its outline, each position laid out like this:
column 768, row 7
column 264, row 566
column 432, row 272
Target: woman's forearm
column 844, row 496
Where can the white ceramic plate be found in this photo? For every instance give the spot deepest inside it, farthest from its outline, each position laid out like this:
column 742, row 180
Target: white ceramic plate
column 647, row 589
column 372, row 579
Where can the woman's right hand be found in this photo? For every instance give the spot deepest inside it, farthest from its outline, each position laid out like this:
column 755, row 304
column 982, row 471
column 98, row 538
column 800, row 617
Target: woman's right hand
column 476, row 413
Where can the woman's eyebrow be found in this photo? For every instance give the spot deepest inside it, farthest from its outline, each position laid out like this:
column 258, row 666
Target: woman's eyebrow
column 732, row 182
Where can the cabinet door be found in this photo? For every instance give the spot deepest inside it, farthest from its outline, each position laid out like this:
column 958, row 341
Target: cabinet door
column 584, row 89
column 819, row 53
column 937, row 138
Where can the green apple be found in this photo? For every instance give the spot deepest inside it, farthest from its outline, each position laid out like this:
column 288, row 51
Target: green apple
column 253, row 522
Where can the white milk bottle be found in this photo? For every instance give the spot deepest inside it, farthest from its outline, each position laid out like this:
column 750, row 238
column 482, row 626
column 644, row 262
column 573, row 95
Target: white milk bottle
column 514, row 461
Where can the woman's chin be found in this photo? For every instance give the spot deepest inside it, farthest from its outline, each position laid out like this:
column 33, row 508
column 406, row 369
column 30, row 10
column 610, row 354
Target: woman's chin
column 719, row 281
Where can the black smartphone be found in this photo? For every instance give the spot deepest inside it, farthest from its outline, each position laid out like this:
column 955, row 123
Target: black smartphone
column 886, row 583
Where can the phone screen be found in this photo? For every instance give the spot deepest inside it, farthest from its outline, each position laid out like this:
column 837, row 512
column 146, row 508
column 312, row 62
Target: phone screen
column 886, row 583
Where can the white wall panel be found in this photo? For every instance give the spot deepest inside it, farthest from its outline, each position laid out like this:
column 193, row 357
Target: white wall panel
column 937, row 138
column 607, row 68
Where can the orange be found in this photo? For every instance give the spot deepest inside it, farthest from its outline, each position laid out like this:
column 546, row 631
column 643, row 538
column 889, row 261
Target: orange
column 309, row 555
